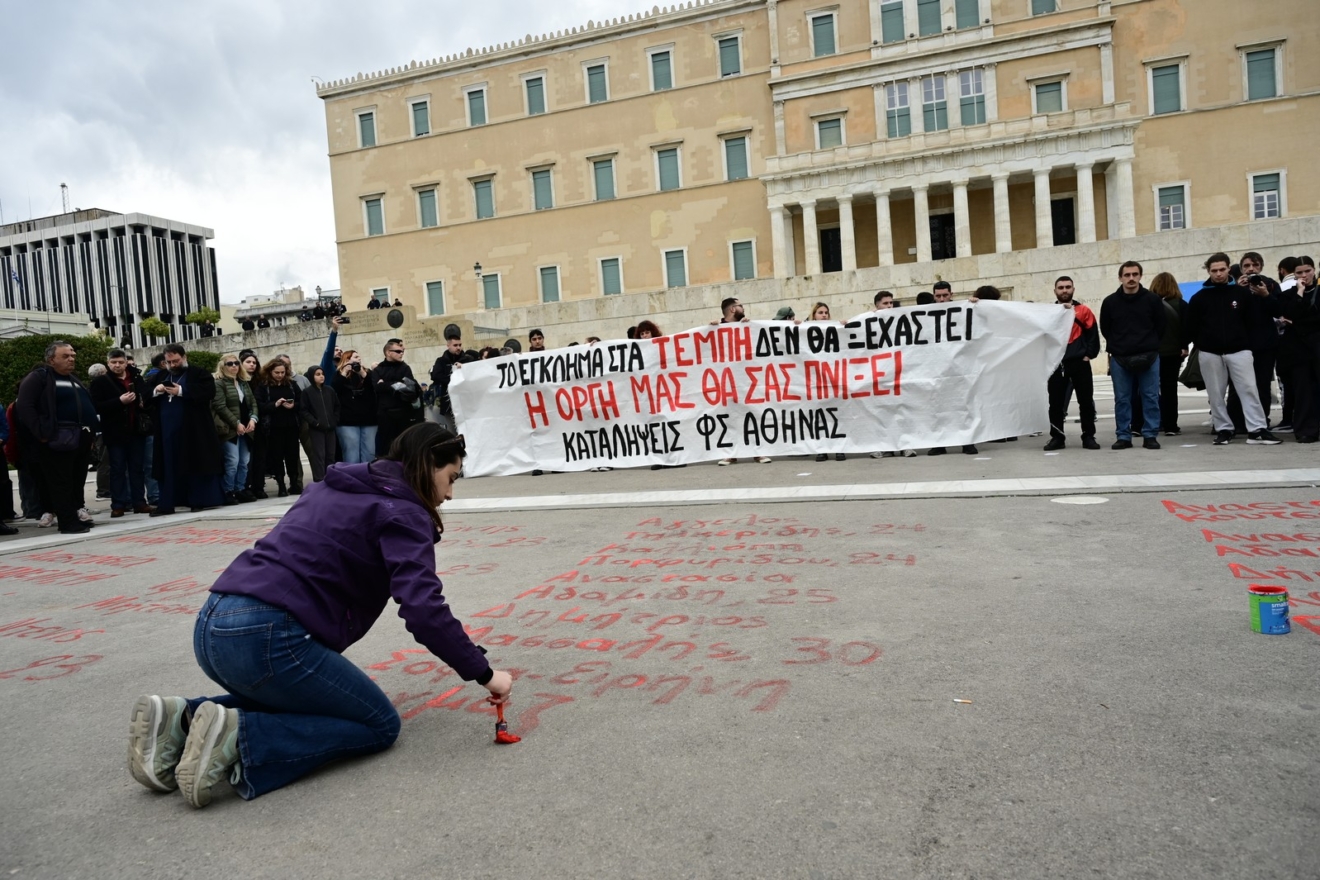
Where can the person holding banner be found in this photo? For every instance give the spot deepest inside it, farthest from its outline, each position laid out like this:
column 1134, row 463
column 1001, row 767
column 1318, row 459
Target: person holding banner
column 884, row 299
column 273, row 631
column 1074, row 372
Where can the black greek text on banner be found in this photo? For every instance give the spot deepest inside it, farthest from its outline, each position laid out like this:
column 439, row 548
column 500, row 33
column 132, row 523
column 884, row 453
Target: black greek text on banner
column 905, row 378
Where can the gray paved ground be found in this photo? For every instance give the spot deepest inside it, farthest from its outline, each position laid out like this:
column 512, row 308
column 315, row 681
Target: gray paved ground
column 713, row 703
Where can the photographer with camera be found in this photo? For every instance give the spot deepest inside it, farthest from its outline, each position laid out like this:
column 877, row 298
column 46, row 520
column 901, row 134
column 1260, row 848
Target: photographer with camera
column 398, row 396
column 1264, row 308
column 356, row 387
column 278, row 405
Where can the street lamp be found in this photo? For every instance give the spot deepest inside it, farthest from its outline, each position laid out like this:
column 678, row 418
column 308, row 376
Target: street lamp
column 476, row 267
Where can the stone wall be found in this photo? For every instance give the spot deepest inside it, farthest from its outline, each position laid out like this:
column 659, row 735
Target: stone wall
column 1024, row 275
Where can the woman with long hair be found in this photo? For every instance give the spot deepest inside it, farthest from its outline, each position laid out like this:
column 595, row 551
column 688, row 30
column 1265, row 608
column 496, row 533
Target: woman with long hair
column 258, row 440
column 234, row 411
column 1173, row 351
column 648, row 330
column 273, row 631
column 820, row 312
column 278, row 403
column 356, row 387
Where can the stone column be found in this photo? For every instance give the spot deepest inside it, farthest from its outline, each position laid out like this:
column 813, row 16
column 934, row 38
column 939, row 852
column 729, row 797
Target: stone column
column 990, row 83
column 1003, row 225
column 1085, row 203
column 914, row 99
column 780, row 137
column 921, row 208
column 884, row 232
column 782, row 269
column 1107, row 73
column 773, row 9
column 962, row 221
column 1044, row 218
column 1127, row 218
column 790, row 246
column 847, row 236
column 811, row 237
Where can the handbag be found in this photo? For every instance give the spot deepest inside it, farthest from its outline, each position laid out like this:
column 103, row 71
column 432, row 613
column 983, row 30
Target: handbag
column 1137, row 363
column 1191, row 374
column 67, row 437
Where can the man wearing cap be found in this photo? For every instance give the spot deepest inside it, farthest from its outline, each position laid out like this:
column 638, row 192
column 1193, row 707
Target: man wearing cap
column 443, row 371
column 784, row 314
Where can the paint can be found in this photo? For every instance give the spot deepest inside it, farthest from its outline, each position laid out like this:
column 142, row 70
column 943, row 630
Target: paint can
column 1269, row 609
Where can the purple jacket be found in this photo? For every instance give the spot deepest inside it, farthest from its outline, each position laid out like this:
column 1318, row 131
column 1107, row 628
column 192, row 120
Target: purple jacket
column 346, row 547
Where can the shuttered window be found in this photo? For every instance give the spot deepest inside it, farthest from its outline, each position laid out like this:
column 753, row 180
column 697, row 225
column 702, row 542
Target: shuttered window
column 490, row 289
column 1265, row 202
column 485, row 195
column 822, row 34
column 435, row 298
column 735, row 157
column 675, row 269
column 1173, row 207
column 744, row 262
column 477, row 107
column 1166, row 89
column 730, row 56
column 971, row 96
column 535, row 96
column 426, row 208
column 662, row 75
column 421, row 118
column 928, row 17
column 829, row 132
column 967, row 13
column 611, row 278
column 367, row 129
column 1049, row 97
column 550, row 284
column 542, row 190
column 597, row 88
column 1040, row 7
column 1261, row 80
column 891, row 22
column 603, row 171
column 667, row 161
column 375, row 217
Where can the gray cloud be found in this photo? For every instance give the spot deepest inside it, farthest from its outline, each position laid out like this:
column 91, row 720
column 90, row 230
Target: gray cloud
column 206, row 113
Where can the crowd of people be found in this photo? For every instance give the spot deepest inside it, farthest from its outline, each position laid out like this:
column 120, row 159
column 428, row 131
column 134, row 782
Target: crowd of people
column 176, row 435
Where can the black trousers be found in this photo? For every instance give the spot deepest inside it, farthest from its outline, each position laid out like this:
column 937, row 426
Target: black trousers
column 323, row 445
column 259, row 443
column 60, row 478
column 1263, row 362
column 392, row 424
column 1073, row 375
column 282, row 455
column 1305, row 389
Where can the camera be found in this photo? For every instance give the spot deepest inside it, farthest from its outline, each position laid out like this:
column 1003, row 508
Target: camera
column 355, row 367
column 1256, row 279
column 345, row 319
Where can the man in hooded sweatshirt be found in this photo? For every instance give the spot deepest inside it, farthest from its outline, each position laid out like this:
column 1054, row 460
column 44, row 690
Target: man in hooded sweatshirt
column 1219, row 320
column 320, row 413
column 1132, row 321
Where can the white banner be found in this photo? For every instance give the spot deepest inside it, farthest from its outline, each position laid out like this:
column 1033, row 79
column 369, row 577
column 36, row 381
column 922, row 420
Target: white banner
column 906, row 378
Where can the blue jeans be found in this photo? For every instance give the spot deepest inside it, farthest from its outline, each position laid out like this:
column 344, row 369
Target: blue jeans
column 357, row 443
column 1147, row 386
column 237, row 455
column 127, row 482
column 153, row 488
column 300, row 704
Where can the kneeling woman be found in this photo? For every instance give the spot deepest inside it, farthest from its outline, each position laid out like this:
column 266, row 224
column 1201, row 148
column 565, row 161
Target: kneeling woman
column 278, row 618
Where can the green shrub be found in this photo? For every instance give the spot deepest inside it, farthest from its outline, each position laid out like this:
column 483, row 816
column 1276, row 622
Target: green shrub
column 201, row 315
column 155, row 328
column 207, row 360
column 19, row 355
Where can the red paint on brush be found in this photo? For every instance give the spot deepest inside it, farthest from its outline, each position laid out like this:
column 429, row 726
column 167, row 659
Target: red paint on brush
column 502, row 735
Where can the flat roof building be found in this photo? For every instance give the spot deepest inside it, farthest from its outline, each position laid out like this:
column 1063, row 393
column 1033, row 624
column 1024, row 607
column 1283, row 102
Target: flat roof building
column 117, row 269
column 738, row 139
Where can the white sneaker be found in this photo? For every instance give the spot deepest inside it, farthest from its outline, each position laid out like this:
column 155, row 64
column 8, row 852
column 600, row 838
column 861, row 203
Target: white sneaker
column 763, row 459
column 84, row 514
column 882, row 455
column 47, row 520
column 912, row 453
column 728, row 461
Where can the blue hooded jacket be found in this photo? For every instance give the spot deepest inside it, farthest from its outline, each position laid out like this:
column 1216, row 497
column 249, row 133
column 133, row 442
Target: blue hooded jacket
column 349, row 545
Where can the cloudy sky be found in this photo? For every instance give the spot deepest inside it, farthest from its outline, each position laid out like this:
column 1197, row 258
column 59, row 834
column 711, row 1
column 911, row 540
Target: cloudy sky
column 206, row 112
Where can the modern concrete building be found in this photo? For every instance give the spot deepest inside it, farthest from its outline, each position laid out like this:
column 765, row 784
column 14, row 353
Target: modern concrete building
column 901, row 140
column 116, row 269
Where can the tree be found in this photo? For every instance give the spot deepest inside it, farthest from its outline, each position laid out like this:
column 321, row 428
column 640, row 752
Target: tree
column 207, row 360
column 155, row 328
column 19, row 355
column 203, row 315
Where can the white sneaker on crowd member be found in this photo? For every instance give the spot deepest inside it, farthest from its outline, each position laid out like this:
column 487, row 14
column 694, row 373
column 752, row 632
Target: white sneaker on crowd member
column 727, row 461
column 909, row 453
column 47, row 520
column 763, row 459
column 84, row 514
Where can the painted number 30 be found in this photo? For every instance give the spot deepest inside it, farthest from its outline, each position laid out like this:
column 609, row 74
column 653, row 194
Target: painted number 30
column 849, row 653
column 68, row 663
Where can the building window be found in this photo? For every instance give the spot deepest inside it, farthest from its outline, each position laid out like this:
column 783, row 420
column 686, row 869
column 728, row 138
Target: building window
column 662, row 72
column 491, row 295
column 381, row 295
column 971, row 96
column 476, row 104
column 603, row 172
column 967, row 13
column 934, row 107
column 435, row 298
column 611, row 276
column 1172, row 207
column 535, row 86
column 598, row 88
column 735, row 158
column 928, row 17
column 426, row 208
column 829, row 133
column 421, row 117
column 891, row 22
column 366, row 128
column 1048, row 97
column 484, row 191
column 375, row 214
column 1041, row 7
column 1266, row 196
column 744, row 260
column 667, row 169
column 543, row 192
column 730, row 56
column 1166, row 88
column 1262, row 74
column 822, row 34
column 898, row 114
column 676, row 268
column 549, row 284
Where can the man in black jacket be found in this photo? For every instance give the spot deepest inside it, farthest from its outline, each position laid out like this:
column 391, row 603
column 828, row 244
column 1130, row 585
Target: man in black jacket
column 1132, row 320
column 1303, row 313
column 120, row 397
column 1219, row 320
column 188, row 460
column 398, row 396
column 56, row 427
column 443, row 371
column 1265, row 308
column 1074, row 372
